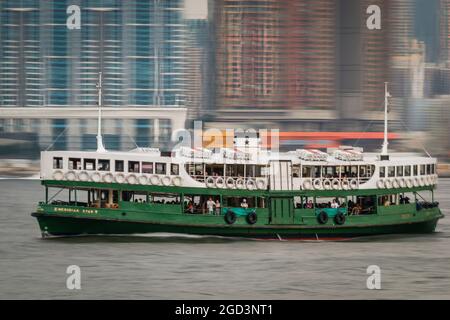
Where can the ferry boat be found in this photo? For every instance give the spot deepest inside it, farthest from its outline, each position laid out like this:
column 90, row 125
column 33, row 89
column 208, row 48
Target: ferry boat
column 234, row 192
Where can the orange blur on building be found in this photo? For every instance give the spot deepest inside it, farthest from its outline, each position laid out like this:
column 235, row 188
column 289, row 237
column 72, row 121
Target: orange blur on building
column 314, row 139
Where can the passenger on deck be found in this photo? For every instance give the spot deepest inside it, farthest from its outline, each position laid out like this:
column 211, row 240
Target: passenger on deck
column 218, row 207
column 210, row 205
column 334, row 204
column 309, row 205
column 356, row 209
column 244, row 203
column 387, row 203
column 190, row 207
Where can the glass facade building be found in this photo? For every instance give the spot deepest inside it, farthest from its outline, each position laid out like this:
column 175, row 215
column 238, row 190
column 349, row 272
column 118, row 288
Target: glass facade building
column 142, row 48
column 138, row 45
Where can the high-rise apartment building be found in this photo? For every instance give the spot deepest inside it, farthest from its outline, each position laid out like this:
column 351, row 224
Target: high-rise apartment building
column 274, row 56
column 140, row 46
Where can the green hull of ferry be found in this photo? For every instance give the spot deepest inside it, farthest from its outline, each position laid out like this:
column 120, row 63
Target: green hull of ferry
column 279, row 219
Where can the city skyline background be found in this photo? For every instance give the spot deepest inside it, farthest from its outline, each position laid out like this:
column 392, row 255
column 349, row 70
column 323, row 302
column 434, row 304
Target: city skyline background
column 310, row 68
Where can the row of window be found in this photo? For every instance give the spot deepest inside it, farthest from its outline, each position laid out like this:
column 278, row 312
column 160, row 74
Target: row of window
column 407, row 171
column 119, row 166
column 362, row 171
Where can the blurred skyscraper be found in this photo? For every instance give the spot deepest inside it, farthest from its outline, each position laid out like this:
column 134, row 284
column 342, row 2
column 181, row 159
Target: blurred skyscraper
column 274, row 56
column 146, row 50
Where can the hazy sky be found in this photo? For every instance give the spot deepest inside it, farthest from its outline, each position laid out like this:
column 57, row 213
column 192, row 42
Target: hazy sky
column 196, row 9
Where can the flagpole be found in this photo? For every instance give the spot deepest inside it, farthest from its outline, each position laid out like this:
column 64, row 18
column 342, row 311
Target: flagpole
column 100, row 147
column 384, row 150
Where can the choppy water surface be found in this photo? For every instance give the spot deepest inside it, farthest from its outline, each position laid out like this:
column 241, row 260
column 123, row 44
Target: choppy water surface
column 167, row 267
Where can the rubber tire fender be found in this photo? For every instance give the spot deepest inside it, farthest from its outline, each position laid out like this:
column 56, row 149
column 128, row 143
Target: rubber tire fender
column 322, row 217
column 339, row 219
column 251, row 218
column 230, row 217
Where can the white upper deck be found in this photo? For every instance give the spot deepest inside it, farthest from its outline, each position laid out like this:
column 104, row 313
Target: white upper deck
column 341, row 168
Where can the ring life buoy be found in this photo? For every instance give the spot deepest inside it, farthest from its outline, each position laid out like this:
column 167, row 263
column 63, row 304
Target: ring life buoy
column 327, row 184
column 401, row 182
column 210, row 182
column 339, row 218
column 322, row 217
column 421, row 181
column 336, row 184
column 307, row 184
column 345, row 184
column 230, row 183
column 230, row 217
column 409, row 183
column 380, row 184
column 166, row 181
column 58, row 175
column 132, row 179
column 120, row 178
column 416, row 182
column 220, row 182
column 240, row 184
column 387, row 184
column 176, row 181
column 155, row 180
column 251, row 184
column 143, row 180
column 317, row 184
column 96, row 177
column 261, row 183
column 108, row 178
column 435, row 180
column 395, row 183
column 70, row 175
column 354, row 184
column 251, row 218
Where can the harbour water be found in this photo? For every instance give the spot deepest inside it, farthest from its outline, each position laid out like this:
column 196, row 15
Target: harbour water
column 188, row 267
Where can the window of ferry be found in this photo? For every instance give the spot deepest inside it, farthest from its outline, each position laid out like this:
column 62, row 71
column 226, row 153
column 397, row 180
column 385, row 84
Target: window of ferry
column 133, row 166
column 89, row 164
column 415, row 170
column 74, row 164
column 366, row 171
column 422, row 169
column 160, row 168
column 174, row 169
column 296, row 171
column 147, row 167
column 399, row 171
column 57, row 163
column 306, row 171
column 407, row 171
column 264, row 171
column 428, row 168
column 119, row 166
column 329, row 172
column 316, row 172
column 391, row 171
column 103, row 165
column 382, row 172
column 253, row 170
column 433, row 169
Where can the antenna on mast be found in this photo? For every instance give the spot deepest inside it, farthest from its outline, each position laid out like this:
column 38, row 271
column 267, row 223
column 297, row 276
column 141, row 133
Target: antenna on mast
column 384, row 149
column 100, row 147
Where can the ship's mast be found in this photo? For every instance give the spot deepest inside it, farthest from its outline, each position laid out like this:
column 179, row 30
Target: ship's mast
column 100, row 147
column 384, row 150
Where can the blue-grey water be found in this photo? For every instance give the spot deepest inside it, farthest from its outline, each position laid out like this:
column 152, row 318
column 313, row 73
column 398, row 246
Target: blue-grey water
column 168, row 267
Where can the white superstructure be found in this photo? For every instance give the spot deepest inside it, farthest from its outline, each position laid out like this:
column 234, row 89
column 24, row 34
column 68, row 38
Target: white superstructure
column 339, row 169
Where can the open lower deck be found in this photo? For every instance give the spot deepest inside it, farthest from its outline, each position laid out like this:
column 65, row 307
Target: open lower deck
column 190, row 210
